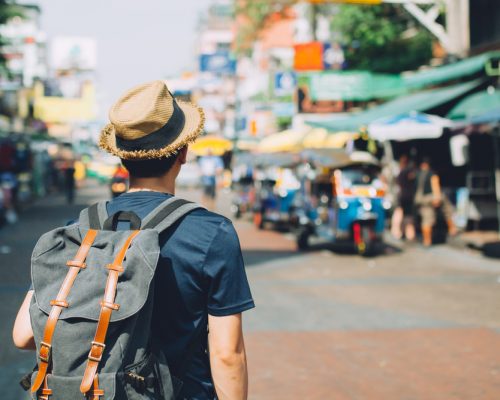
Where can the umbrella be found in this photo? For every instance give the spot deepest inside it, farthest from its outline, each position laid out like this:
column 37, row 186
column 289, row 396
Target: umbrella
column 216, row 145
column 408, row 126
column 286, row 141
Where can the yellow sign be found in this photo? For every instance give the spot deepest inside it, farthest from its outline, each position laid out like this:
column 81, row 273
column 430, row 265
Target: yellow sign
column 372, row 2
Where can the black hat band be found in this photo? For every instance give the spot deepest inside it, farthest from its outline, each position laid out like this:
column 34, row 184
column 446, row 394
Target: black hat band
column 159, row 139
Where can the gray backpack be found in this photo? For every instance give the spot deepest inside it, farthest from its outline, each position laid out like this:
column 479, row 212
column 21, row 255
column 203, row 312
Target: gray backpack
column 92, row 307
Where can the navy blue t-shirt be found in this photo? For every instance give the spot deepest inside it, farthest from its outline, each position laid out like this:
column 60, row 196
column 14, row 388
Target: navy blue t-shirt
column 200, row 271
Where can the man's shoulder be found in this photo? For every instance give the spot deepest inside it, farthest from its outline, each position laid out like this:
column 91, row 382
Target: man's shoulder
column 205, row 218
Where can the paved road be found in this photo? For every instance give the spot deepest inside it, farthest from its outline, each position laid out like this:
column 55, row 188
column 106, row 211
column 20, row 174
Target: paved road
column 418, row 324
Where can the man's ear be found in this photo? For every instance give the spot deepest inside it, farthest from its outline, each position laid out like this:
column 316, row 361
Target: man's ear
column 183, row 155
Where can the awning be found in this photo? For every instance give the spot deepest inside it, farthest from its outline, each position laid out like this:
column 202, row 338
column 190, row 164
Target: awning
column 210, row 144
column 492, row 116
column 475, row 105
column 446, row 73
column 320, row 138
column 286, row 141
column 421, row 101
column 408, row 127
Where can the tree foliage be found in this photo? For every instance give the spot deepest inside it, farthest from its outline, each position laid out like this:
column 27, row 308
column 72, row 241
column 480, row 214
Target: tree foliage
column 253, row 16
column 8, row 10
column 382, row 38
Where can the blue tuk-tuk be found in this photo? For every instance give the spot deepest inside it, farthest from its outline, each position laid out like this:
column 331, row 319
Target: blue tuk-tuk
column 276, row 187
column 344, row 200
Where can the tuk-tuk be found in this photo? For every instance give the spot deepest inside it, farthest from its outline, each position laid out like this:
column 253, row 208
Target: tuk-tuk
column 343, row 200
column 276, row 187
column 242, row 185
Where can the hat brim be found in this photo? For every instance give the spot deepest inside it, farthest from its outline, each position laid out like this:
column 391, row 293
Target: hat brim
column 193, row 128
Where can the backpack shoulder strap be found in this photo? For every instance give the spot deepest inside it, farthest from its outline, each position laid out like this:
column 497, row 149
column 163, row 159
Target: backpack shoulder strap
column 168, row 213
column 94, row 216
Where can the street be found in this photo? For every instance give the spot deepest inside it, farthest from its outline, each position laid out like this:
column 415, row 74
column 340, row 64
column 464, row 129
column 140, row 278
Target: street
column 416, row 324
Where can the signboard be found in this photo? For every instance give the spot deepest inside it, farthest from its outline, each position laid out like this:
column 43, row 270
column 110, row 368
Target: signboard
column 372, row 2
column 73, row 53
column 218, row 63
column 308, row 56
column 285, row 83
column 352, row 85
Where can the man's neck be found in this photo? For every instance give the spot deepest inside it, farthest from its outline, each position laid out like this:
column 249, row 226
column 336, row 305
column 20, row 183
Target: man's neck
column 161, row 184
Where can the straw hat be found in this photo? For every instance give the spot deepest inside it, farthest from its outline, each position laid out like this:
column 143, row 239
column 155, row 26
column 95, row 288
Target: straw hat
column 148, row 122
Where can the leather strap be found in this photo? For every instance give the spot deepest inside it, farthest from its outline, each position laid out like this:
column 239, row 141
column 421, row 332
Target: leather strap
column 107, row 307
column 57, row 306
column 45, row 392
column 95, row 393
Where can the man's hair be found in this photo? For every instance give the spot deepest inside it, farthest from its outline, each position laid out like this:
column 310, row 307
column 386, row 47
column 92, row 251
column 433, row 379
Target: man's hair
column 153, row 168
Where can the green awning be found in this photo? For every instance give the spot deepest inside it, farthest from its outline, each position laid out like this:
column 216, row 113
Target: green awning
column 475, row 105
column 421, row 101
column 365, row 86
column 446, row 73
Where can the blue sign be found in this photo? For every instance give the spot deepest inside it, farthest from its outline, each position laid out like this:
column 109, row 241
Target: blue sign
column 285, row 83
column 218, row 63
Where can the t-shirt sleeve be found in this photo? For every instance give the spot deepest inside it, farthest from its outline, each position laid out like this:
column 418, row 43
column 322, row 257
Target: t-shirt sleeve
column 228, row 288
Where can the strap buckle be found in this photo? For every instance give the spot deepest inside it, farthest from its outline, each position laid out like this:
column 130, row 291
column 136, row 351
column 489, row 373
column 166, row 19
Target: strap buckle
column 76, row 263
column 137, row 381
column 115, row 267
column 99, row 348
column 45, row 352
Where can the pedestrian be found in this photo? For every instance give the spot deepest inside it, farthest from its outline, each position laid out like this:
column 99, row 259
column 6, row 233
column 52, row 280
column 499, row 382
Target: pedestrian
column 211, row 167
column 430, row 199
column 200, row 283
column 403, row 216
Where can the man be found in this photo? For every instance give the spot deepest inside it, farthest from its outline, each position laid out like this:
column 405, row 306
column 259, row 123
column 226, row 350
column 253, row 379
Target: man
column 429, row 198
column 403, row 215
column 200, row 276
column 211, row 167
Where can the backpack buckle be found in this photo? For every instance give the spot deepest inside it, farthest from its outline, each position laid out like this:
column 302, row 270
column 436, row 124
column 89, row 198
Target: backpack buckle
column 137, row 381
column 99, row 350
column 45, row 351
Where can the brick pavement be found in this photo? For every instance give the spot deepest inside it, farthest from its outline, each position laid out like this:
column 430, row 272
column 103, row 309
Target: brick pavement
column 417, row 325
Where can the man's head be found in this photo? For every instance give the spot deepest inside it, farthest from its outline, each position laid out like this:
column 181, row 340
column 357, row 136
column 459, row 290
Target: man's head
column 156, row 167
column 425, row 164
column 150, row 130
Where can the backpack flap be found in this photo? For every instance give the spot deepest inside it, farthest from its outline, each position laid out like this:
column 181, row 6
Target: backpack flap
column 57, row 247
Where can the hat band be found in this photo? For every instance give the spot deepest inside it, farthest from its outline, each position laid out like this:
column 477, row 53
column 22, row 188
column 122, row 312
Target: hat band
column 161, row 138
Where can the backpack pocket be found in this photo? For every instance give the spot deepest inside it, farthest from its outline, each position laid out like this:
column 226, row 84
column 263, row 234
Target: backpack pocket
column 149, row 379
column 68, row 387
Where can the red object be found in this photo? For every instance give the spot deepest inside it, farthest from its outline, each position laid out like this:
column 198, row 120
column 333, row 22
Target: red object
column 121, row 172
column 356, row 228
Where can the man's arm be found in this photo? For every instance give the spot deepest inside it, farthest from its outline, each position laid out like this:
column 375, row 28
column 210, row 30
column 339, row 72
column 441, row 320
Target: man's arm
column 227, row 357
column 22, row 334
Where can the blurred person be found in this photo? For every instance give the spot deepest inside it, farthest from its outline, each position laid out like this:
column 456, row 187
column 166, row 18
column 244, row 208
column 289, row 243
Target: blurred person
column 403, row 216
column 211, row 167
column 428, row 199
column 196, row 321
column 9, row 185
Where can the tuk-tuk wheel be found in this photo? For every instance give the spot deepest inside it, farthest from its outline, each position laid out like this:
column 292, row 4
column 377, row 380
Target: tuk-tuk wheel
column 303, row 239
column 258, row 220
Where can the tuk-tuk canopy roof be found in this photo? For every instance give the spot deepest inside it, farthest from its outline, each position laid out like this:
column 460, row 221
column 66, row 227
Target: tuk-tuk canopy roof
column 337, row 158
